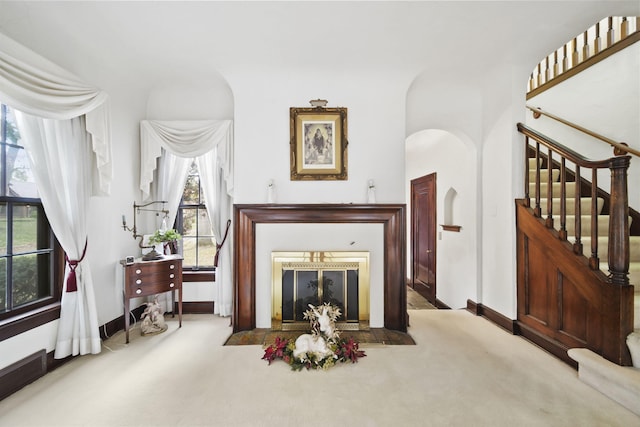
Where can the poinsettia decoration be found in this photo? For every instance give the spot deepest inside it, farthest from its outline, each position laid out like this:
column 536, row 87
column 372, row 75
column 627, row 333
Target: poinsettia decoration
column 319, row 350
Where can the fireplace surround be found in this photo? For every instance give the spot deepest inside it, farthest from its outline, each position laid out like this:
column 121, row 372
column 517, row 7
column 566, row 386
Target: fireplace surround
column 391, row 216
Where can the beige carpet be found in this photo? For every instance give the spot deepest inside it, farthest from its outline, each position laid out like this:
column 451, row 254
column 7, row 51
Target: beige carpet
column 464, row 371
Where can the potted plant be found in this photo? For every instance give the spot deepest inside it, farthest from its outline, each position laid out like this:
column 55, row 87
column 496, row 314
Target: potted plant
column 168, row 238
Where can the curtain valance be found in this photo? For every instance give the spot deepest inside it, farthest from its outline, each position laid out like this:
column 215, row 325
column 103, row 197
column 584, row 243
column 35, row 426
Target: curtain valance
column 36, row 86
column 189, row 138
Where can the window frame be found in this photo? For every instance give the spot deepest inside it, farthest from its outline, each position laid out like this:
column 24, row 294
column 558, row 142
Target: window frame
column 36, row 313
column 191, row 274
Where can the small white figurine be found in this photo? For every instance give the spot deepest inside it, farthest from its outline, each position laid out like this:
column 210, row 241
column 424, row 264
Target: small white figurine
column 153, row 319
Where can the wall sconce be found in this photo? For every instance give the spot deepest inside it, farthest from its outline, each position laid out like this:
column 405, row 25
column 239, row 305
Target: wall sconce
column 136, row 210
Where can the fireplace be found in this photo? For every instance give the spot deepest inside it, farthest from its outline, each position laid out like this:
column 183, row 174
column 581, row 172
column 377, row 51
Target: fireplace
column 392, row 260
column 300, row 279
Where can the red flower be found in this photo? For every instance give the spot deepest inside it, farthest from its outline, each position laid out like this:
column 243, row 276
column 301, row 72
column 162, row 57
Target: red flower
column 276, row 350
column 349, row 350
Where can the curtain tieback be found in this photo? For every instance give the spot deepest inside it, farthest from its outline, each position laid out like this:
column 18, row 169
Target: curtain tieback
column 72, row 283
column 219, row 246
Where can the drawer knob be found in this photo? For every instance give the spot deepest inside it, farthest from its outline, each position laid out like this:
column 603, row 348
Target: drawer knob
column 171, row 285
column 171, row 267
column 138, row 291
column 171, row 276
column 138, row 271
column 138, row 281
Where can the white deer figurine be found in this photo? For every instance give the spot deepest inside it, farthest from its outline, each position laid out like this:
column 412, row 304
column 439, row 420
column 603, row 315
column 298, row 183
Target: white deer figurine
column 315, row 343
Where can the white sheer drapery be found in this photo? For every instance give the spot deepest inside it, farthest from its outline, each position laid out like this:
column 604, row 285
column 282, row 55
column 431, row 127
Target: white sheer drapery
column 210, row 143
column 36, row 86
column 63, row 116
column 65, row 192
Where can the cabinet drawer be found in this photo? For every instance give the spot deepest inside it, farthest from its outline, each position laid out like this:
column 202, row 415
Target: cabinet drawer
column 148, row 278
column 151, row 288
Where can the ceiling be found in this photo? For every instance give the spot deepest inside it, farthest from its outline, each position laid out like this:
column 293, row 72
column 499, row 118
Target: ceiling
column 158, row 39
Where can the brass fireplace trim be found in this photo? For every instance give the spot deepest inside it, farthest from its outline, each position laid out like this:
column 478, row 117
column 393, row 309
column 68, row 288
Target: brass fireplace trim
column 320, row 259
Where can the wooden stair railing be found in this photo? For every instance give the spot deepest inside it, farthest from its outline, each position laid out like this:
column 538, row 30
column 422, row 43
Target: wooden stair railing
column 601, row 40
column 618, row 253
column 565, row 300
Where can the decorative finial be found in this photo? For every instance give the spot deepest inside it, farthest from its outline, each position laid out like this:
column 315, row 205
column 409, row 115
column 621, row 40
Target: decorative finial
column 318, row 103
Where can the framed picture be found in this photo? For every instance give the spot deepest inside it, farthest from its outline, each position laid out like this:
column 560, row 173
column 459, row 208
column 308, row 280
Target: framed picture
column 318, row 143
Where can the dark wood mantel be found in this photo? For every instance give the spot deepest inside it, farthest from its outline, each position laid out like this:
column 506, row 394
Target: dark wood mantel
column 392, row 216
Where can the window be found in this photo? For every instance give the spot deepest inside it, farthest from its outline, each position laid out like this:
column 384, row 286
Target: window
column 192, row 221
column 27, row 245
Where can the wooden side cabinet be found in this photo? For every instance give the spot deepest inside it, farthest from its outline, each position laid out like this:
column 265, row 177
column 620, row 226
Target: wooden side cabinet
column 144, row 278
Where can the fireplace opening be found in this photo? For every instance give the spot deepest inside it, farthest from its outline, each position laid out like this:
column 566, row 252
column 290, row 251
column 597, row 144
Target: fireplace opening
column 301, row 279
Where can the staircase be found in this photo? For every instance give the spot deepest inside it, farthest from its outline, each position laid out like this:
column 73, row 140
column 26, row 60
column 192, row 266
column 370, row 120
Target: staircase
column 620, row 383
column 603, row 231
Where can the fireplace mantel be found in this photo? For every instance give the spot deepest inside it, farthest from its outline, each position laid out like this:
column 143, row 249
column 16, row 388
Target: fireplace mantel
column 392, row 216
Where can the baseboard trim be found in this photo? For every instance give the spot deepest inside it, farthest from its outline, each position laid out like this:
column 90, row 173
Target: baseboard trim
column 198, row 307
column 22, row 373
column 499, row 319
column 442, row 306
column 110, row 328
column 558, row 350
column 517, row 328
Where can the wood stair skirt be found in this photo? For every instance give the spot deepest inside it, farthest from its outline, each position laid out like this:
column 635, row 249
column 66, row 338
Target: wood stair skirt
column 558, row 303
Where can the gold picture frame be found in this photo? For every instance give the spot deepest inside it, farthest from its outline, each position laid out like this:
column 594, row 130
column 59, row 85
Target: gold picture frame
column 318, row 143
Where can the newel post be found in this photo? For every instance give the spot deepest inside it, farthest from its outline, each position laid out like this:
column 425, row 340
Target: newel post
column 619, row 222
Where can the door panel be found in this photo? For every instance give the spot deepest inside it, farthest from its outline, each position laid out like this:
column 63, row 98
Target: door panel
column 423, row 240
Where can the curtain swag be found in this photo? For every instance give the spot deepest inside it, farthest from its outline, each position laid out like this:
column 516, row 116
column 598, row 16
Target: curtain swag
column 34, row 85
column 189, row 139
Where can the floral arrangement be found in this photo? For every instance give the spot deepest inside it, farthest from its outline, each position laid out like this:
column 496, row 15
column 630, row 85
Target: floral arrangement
column 321, row 349
column 170, row 235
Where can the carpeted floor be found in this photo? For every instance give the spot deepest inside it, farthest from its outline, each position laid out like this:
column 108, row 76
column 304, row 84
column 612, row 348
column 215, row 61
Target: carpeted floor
column 463, row 371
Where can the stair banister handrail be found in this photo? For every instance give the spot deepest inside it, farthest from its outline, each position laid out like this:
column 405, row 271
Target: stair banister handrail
column 618, row 253
column 564, row 151
column 618, row 145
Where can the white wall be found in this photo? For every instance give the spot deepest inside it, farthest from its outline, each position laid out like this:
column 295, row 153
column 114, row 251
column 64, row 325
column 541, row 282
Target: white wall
column 375, row 102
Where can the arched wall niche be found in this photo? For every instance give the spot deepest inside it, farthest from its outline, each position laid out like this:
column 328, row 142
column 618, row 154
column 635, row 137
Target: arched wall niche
column 449, row 210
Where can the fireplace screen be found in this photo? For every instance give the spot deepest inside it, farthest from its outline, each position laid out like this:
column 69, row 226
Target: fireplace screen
column 303, row 278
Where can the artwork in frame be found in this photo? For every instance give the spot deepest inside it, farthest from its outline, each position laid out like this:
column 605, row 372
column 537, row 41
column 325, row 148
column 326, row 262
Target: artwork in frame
column 318, row 143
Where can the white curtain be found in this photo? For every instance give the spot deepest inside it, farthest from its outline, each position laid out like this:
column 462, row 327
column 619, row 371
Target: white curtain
column 210, row 143
column 36, row 86
column 60, row 156
column 219, row 205
column 66, row 133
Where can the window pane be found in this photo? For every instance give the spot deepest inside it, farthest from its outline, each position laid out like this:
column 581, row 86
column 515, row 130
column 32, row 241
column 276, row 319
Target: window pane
column 30, row 278
column 206, row 251
column 191, row 194
column 3, row 284
column 204, row 225
column 25, row 229
column 13, row 135
column 189, row 251
column 189, row 222
column 20, row 180
column 3, row 228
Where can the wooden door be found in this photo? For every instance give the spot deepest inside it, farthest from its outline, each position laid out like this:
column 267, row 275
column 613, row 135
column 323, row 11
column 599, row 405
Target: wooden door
column 423, row 236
